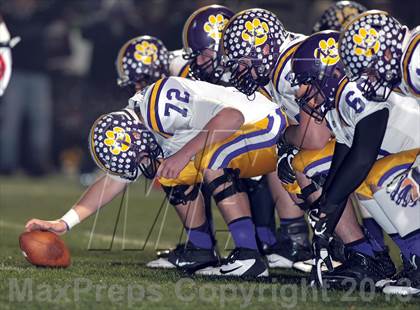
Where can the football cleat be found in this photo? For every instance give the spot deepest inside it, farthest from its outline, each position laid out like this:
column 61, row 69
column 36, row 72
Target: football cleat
column 243, row 262
column 337, row 255
column 162, row 260
column 286, row 253
column 358, row 267
column 406, row 282
column 294, row 248
column 388, row 267
column 189, row 258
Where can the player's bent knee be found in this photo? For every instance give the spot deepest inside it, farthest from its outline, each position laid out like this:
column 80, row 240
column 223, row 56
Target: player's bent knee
column 181, row 194
column 225, row 185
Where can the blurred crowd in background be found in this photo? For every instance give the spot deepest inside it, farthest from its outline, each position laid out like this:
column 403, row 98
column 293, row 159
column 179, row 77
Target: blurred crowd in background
column 64, row 75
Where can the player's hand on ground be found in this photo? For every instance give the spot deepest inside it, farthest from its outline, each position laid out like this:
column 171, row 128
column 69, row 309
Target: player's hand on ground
column 171, row 167
column 57, row 227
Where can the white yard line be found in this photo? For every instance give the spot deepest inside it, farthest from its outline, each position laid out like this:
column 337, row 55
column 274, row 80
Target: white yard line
column 88, row 234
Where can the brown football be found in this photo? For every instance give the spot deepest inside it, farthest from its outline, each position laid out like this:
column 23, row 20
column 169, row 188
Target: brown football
column 44, row 248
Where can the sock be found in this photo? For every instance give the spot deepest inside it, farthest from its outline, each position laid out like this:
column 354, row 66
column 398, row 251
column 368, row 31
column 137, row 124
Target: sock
column 374, row 233
column 266, row 235
column 402, row 244
column 362, row 245
column 243, row 233
column 413, row 243
column 284, row 232
column 200, row 236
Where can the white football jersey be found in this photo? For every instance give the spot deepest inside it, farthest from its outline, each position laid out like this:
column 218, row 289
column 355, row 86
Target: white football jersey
column 280, row 89
column 410, row 64
column 176, row 109
column 403, row 129
column 178, row 66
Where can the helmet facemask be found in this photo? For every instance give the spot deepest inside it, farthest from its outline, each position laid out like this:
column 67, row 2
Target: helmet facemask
column 149, row 153
column 374, row 85
column 319, row 96
column 210, row 70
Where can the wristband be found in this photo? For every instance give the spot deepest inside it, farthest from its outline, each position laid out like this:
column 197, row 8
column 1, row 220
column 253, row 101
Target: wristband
column 71, row 218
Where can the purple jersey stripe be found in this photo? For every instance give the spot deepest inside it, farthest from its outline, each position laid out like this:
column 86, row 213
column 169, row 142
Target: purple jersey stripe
column 317, row 163
column 157, row 108
column 392, row 171
column 248, row 148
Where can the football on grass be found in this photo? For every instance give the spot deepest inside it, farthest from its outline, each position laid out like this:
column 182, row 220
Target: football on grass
column 44, row 249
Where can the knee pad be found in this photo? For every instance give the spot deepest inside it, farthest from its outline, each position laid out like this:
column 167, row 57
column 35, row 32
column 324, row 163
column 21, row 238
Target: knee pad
column 375, row 210
column 405, row 219
column 177, row 194
column 228, row 176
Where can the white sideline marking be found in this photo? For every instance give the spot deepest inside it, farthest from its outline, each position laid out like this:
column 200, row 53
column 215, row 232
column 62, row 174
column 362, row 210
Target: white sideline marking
column 87, row 234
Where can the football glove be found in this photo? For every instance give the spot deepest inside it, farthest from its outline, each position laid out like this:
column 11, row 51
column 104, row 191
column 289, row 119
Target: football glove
column 286, row 152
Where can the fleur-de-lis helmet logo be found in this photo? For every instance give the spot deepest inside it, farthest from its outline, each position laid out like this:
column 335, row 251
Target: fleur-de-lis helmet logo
column 146, row 52
column 366, row 42
column 117, row 140
column 327, row 52
column 214, row 26
column 255, row 32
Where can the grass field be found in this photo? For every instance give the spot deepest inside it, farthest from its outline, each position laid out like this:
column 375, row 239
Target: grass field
column 109, row 253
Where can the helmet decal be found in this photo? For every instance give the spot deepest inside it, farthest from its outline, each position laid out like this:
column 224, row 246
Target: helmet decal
column 117, row 140
column 345, row 15
column 251, row 43
column 316, row 64
column 121, row 145
column 201, row 39
column 143, row 59
column 338, row 15
column 214, row 26
column 371, row 49
column 366, row 42
column 255, row 32
column 146, row 52
column 327, row 52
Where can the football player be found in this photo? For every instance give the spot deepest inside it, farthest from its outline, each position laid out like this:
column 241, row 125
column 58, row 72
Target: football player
column 186, row 132
column 243, row 39
column 338, row 15
column 324, row 92
column 382, row 55
column 202, row 45
column 6, row 44
column 142, row 61
column 263, row 55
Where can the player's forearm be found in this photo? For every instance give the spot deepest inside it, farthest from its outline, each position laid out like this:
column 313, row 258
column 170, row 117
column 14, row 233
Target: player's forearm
column 97, row 195
column 361, row 157
column 219, row 128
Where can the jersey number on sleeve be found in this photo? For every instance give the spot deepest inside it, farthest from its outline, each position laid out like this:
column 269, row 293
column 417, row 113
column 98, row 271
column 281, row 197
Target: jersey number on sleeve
column 174, row 93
